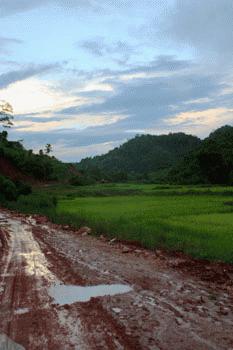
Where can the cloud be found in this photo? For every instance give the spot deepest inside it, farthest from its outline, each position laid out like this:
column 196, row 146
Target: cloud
column 78, row 122
column 205, row 25
column 76, row 153
column 148, row 100
column 70, row 144
column 112, row 82
column 119, row 51
column 14, row 6
column 207, row 117
column 10, row 7
column 71, row 137
column 5, row 42
column 36, row 96
column 161, row 67
column 11, row 77
column 96, row 46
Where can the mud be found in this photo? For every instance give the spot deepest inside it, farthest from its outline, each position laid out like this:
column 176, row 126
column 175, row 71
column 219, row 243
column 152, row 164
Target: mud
column 58, row 291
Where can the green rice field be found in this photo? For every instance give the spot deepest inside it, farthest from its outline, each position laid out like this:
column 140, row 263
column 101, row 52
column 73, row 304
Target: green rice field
column 195, row 220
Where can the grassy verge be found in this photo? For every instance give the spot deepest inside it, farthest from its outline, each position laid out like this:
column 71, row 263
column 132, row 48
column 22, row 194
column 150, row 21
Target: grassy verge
column 35, row 203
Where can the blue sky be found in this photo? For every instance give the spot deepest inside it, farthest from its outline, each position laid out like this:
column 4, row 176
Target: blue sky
column 86, row 77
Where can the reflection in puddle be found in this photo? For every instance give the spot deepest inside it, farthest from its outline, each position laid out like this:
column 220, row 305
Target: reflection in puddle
column 21, row 311
column 8, row 344
column 70, row 294
column 117, row 310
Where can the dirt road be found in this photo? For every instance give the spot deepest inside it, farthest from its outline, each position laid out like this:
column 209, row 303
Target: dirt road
column 60, row 290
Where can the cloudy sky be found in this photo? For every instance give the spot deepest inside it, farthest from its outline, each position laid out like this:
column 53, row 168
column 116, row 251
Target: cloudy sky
column 86, row 75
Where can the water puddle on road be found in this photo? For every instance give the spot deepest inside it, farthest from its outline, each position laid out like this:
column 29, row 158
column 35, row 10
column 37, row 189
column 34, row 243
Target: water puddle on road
column 63, row 294
column 21, row 311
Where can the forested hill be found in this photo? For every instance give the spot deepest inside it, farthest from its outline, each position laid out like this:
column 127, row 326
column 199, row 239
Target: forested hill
column 143, row 154
column 212, row 162
column 20, row 168
column 17, row 162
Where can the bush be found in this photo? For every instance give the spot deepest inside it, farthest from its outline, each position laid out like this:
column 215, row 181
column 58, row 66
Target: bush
column 35, row 203
column 81, row 180
column 8, row 189
column 23, row 188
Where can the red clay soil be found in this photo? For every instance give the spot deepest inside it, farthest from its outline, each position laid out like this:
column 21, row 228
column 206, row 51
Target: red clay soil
column 8, row 169
column 176, row 303
column 73, row 170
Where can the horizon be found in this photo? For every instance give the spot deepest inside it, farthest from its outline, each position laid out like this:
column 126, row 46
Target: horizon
column 163, row 66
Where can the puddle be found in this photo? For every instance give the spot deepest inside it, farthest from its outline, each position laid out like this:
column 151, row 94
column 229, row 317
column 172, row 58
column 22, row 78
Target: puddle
column 8, row 344
column 117, row 310
column 63, row 294
column 21, row 311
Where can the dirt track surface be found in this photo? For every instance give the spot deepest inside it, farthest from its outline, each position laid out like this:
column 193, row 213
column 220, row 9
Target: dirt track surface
column 175, row 303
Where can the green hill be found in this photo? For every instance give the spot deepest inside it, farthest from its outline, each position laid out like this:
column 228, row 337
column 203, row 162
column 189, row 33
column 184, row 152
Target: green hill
column 211, row 163
column 142, row 156
column 20, row 168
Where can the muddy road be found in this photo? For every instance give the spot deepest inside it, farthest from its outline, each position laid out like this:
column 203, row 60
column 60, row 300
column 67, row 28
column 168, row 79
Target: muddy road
column 60, row 290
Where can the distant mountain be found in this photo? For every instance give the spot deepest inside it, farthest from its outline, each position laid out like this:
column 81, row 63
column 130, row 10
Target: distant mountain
column 142, row 155
column 211, row 163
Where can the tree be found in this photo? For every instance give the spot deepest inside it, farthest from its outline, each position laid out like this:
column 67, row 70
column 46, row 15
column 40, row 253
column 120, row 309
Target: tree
column 213, row 166
column 3, row 136
column 48, row 148
column 6, row 114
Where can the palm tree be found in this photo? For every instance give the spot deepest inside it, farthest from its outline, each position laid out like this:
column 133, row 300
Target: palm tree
column 48, row 148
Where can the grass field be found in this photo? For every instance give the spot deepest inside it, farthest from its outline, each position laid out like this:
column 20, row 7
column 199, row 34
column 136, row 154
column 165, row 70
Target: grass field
column 196, row 220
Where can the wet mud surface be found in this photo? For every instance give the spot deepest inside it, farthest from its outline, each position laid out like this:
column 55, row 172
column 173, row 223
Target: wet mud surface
column 62, row 290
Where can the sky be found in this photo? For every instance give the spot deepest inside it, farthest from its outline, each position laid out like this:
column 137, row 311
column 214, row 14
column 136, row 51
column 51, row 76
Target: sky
column 87, row 75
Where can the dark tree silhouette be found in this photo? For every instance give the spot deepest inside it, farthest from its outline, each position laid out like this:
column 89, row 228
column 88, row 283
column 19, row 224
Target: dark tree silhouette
column 48, row 148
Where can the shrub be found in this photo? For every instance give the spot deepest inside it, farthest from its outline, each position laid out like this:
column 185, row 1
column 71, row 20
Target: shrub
column 8, row 189
column 23, row 188
column 81, row 180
